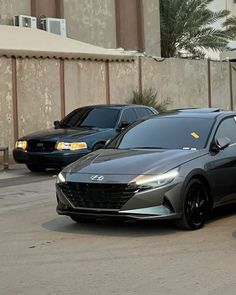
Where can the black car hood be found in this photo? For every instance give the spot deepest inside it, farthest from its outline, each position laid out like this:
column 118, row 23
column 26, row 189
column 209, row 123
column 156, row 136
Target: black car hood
column 132, row 162
column 56, row 134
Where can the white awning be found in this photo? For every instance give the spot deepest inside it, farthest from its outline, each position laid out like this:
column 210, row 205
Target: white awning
column 27, row 42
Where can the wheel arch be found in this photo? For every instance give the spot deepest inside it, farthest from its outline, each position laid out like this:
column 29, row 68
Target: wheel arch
column 201, row 176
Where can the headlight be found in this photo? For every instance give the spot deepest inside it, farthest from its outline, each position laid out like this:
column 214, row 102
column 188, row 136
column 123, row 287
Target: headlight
column 61, row 178
column 21, row 144
column 71, row 146
column 149, row 181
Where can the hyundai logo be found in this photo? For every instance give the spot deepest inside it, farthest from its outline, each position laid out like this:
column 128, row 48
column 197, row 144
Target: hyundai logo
column 97, row 177
column 40, row 144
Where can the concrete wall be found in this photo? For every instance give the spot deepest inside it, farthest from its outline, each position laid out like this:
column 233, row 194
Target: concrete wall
column 39, row 94
column 152, row 34
column 91, row 21
column 84, row 84
column 8, row 9
column 233, row 64
column 123, row 80
column 183, row 82
column 38, row 88
column 220, row 85
column 6, row 103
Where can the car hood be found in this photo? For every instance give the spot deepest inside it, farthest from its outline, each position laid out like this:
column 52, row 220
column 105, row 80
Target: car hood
column 131, row 162
column 65, row 134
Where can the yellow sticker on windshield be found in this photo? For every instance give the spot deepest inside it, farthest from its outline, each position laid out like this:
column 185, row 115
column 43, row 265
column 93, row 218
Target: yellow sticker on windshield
column 195, row 135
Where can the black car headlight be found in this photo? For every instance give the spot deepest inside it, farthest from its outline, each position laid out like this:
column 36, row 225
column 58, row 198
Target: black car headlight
column 154, row 181
column 61, row 178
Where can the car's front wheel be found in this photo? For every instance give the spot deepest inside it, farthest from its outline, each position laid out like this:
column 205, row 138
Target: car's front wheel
column 195, row 206
column 35, row 168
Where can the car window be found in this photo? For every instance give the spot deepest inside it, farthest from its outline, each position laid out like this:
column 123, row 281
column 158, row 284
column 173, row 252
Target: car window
column 143, row 112
column 91, row 117
column 128, row 115
column 166, row 133
column 227, row 128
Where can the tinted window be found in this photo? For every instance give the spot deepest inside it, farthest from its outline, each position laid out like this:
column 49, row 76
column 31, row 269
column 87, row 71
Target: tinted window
column 128, row 115
column 143, row 112
column 91, row 117
column 227, row 128
column 166, row 133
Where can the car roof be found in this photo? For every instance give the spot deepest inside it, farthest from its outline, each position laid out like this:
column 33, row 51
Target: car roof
column 199, row 110
column 204, row 114
column 116, row 106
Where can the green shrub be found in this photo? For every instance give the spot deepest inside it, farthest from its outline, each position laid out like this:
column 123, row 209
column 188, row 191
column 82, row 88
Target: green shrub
column 149, row 98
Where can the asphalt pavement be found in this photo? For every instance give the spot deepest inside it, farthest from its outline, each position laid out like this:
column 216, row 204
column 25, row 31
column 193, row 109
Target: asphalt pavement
column 43, row 253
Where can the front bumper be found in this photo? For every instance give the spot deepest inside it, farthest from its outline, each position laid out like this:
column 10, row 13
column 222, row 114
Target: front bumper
column 53, row 159
column 161, row 203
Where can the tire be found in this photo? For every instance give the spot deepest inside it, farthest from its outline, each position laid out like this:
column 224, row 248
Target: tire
column 98, row 146
column 195, row 206
column 35, row 168
column 80, row 219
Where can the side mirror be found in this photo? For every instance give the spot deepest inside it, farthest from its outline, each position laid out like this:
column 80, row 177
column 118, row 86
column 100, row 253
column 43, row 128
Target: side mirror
column 56, row 124
column 123, row 124
column 220, row 144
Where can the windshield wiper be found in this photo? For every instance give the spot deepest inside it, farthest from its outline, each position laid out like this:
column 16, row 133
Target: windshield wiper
column 148, row 148
column 64, row 126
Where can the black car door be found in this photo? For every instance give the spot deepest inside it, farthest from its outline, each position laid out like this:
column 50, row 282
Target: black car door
column 222, row 166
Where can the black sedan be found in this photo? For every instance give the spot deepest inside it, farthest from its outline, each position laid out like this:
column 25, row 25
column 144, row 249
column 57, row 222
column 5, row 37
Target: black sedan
column 84, row 130
column 174, row 166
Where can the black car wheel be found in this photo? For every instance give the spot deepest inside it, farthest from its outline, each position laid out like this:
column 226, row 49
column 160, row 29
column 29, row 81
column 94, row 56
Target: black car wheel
column 195, row 207
column 35, row 168
column 80, row 219
column 98, row 146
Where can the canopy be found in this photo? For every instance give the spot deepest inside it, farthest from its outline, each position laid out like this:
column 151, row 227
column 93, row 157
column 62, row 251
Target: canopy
column 27, row 42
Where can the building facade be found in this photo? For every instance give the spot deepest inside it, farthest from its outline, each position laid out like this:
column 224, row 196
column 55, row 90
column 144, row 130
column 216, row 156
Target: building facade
column 132, row 25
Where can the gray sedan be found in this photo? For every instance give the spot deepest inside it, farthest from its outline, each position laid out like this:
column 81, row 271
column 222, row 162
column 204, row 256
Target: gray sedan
column 175, row 166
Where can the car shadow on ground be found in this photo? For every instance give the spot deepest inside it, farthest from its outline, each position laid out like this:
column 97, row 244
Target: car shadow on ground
column 111, row 228
column 130, row 228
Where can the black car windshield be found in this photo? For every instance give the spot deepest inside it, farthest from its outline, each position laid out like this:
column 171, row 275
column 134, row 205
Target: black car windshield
column 166, row 133
column 91, row 117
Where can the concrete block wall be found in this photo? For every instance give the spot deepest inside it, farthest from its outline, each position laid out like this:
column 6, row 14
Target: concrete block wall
column 35, row 92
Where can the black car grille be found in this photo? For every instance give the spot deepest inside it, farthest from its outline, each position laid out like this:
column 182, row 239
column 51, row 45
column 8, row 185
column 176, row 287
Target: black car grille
column 40, row 146
column 105, row 196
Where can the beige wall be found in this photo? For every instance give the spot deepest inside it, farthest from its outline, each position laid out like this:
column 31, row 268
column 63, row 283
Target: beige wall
column 91, row 21
column 123, row 80
column 233, row 64
column 184, row 82
column 84, row 84
column 220, row 85
column 6, row 103
column 10, row 8
column 38, row 88
column 152, row 33
column 39, row 96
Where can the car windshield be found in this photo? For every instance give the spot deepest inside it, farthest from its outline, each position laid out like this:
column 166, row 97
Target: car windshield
column 91, row 117
column 166, row 133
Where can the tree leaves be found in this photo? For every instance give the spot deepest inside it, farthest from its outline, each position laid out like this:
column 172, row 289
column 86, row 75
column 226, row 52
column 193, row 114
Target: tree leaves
column 186, row 27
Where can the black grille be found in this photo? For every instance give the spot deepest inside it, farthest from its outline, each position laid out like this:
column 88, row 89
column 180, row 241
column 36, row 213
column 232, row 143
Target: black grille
column 105, row 196
column 40, row 146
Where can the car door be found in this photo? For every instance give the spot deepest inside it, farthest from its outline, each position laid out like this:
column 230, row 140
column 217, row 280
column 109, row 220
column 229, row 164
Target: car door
column 222, row 167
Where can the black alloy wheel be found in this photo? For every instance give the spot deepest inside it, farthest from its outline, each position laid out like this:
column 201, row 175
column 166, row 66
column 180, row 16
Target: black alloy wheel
column 196, row 206
column 35, row 168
